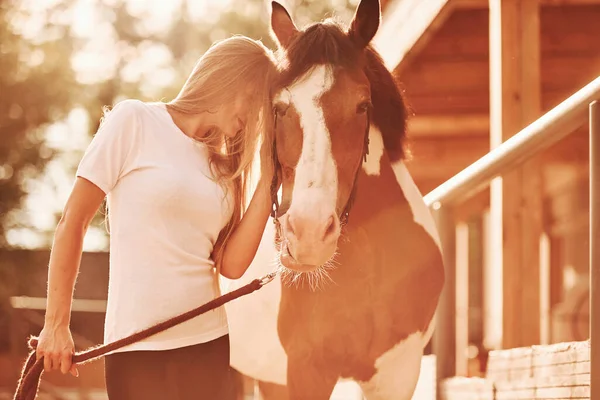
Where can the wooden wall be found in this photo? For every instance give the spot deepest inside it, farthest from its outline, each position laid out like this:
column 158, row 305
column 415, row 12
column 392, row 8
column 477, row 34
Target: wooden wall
column 447, row 85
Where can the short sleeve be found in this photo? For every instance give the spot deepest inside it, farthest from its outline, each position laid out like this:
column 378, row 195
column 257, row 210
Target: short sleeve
column 112, row 152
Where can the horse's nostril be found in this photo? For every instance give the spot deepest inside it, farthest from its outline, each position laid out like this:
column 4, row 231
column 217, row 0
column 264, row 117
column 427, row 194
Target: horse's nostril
column 329, row 228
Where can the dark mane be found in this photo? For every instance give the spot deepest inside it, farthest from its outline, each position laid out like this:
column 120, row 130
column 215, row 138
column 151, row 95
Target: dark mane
column 390, row 111
column 328, row 43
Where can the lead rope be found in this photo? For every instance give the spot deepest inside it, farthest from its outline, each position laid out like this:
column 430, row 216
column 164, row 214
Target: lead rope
column 29, row 381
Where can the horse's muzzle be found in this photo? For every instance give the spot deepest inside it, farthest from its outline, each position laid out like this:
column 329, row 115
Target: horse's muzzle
column 309, row 241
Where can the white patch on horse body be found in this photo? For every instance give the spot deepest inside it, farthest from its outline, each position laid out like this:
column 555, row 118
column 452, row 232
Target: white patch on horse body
column 316, row 181
column 398, row 371
column 421, row 213
column 373, row 164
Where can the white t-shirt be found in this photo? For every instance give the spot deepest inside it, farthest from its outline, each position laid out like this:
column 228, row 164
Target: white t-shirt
column 165, row 214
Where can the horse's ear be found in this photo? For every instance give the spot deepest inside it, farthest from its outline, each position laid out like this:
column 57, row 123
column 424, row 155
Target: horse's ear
column 365, row 23
column 282, row 25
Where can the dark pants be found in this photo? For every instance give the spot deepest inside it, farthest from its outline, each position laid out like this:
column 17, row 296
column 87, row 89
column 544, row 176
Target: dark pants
column 195, row 372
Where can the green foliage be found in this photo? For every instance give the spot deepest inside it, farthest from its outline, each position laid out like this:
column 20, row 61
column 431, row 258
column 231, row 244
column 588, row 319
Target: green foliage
column 36, row 86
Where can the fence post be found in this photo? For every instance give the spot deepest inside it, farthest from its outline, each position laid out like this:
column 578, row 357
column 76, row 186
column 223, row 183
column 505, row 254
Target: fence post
column 444, row 337
column 594, row 250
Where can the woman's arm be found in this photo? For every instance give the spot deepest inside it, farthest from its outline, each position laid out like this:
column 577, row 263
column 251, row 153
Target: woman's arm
column 55, row 341
column 245, row 239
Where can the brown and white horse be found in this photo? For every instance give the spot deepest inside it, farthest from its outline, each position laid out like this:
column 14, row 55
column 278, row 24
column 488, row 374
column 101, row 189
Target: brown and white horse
column 356, row 299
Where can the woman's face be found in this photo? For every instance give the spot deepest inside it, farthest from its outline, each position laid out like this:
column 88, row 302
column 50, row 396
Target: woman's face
column 232, row 118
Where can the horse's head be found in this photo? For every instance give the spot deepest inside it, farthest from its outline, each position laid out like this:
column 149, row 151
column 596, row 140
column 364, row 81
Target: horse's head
column 323, row 108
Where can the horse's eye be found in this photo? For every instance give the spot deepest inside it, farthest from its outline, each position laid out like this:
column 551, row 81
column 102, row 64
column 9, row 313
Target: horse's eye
column 280, row 109
column 363, row 107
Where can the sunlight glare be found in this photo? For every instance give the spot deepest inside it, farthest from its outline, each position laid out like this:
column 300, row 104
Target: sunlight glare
column 207, row 10
column 159, row 14
column 30, row 25
column 85, row 18
column 98, row 59
column 156, row 16
column 69, row 134
column 151, row 68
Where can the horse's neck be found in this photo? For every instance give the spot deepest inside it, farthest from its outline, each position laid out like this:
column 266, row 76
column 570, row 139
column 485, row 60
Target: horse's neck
column 393, row 186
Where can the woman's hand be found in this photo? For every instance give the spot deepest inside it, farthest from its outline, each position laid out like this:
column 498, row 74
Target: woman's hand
column 56, row 345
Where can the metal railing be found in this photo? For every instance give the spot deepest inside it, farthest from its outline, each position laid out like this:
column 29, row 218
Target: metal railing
column 541, row 134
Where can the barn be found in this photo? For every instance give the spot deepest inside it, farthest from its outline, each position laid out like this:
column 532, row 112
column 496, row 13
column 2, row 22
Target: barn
column 500, row 93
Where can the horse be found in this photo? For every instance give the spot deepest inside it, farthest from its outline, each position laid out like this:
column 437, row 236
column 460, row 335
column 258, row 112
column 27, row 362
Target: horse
column 360, row 260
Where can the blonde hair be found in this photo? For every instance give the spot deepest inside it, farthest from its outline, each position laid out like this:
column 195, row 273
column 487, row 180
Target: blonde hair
column 228, row 68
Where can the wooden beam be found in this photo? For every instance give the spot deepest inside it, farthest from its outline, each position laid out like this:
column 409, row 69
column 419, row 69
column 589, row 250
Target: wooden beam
column 435, row 156
column 449, row 125
column 557, row 258
column 569, row 2
column 473, row 206
column 550, row 3
column 476, row 102
column 573, row 150
column 562, row 180
column 442, row 158
column 39, row 303
column 515, row 101
column 462, row 297
column 449, row 78
column 566, row 32
column 407, row 26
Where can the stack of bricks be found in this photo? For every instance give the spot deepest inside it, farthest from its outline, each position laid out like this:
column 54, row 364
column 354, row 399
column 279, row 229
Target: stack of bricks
column 554, row 372
column 462, row 388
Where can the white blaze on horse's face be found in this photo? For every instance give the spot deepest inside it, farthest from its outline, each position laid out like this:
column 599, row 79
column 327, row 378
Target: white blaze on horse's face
column 311, row 225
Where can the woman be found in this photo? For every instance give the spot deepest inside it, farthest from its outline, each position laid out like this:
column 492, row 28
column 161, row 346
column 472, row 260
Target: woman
column 175, row 176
